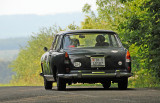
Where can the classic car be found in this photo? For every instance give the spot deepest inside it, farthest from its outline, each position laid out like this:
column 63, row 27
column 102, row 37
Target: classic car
column 86, row 56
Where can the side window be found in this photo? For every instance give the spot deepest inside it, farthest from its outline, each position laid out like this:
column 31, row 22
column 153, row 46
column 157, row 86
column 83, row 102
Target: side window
column 114, row 41
column 53, row 43
column 107, row 39
column 58, row 44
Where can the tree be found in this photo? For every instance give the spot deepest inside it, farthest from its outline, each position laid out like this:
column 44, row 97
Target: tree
column 141, row 28
column 27, row 64
column 137, row 22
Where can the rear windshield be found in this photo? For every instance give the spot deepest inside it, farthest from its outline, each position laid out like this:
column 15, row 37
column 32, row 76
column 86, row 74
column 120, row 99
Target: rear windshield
column 85, row 40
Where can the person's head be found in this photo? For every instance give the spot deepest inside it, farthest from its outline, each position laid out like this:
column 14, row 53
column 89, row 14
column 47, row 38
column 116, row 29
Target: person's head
column 75, row 42
column 100, row 38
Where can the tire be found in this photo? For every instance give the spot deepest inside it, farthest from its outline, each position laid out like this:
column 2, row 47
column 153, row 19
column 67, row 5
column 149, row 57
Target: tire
column 47, row 84
column 61, row 84
column 123, row 83
column 106, row 85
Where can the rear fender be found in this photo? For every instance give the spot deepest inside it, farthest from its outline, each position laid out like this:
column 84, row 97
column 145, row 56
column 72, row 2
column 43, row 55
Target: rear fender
column 57, row 63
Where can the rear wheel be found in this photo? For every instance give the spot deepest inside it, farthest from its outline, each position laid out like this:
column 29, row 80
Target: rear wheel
column 61, row 83
column 106, row 85
column 123, row 83
column 47, row 84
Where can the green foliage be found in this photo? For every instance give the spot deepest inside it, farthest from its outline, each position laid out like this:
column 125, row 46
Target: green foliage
column 144, row 78
column 73, row 26
column 138, row 25
column 27, row 64
column 86, row 8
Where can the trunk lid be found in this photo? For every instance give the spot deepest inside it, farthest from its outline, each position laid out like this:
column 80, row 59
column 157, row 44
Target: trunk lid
column 111, row 58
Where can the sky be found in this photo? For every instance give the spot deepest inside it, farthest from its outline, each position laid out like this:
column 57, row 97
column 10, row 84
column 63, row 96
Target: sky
column 43, row 7
column 18, row 17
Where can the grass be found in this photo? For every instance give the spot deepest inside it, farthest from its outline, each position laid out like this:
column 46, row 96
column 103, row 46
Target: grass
column 96, row 84
column 4, row 85
column 79, row 84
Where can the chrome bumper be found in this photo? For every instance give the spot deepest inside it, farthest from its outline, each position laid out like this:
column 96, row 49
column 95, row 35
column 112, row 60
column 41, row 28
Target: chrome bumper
column 95, row 75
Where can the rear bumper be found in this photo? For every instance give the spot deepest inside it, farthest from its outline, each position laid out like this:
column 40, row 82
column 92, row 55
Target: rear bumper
column 117, row 74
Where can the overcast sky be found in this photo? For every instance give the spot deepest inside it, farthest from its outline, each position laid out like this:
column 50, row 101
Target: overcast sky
column 43, row 7
column 13, row 23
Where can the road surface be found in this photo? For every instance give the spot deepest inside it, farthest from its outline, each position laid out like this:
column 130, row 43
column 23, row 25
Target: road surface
column 78, row 95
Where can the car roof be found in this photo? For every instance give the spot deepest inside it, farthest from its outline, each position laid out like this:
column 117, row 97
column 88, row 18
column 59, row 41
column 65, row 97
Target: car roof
column 85, row 31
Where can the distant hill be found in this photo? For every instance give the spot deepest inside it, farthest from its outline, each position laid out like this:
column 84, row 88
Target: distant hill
column 9, row 49
column 5, row 72
column 24, row 25
column 13, row 43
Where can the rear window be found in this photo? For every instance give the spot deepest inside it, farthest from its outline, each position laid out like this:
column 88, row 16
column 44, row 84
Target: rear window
column 85, row 40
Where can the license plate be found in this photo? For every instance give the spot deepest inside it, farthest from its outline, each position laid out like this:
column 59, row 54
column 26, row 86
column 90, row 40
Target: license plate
column 97, row 62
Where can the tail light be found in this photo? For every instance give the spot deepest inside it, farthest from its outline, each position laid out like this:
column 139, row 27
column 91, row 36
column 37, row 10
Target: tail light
column 128, row 57
column 66, row 55
column 129, row 69
column 128, row 61
column 66, row 62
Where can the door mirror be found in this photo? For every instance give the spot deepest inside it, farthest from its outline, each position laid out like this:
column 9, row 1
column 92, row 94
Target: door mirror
column 45, row 49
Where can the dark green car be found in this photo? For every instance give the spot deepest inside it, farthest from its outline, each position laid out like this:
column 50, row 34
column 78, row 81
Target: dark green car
column 86, row 56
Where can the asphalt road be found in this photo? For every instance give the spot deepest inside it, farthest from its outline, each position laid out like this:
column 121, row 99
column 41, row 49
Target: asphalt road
column 78, row 95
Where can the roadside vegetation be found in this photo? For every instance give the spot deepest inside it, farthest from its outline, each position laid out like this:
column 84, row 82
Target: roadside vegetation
column 136, row 21
column 5, row 71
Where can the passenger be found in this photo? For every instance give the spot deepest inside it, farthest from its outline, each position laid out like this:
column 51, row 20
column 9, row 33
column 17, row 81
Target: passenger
column 100, row 41
column 74, row 43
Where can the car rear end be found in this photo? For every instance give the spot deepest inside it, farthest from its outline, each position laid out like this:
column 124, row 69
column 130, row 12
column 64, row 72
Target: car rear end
column 95, row 58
